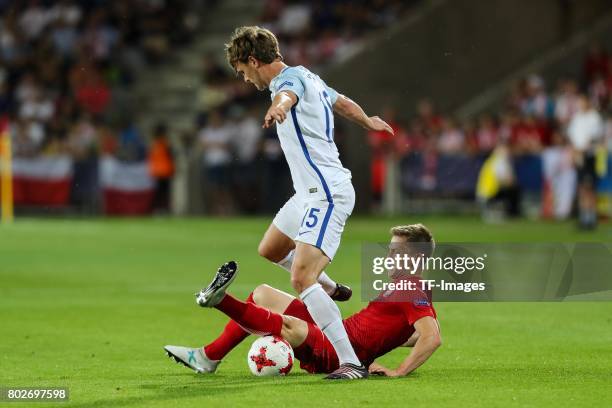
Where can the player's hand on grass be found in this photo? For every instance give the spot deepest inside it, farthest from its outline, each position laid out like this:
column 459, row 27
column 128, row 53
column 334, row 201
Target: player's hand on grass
column 377, row 369
column 274, row 114
column 377, row 124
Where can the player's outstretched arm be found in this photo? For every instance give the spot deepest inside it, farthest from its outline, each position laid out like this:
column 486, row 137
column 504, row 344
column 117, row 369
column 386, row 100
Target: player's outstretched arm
column 277, row 112
column 427, row 342
column 350, row 110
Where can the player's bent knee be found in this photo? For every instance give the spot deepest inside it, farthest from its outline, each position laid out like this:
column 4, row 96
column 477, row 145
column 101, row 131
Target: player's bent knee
column 265, row 251
column 259, row 294
column 272, row 253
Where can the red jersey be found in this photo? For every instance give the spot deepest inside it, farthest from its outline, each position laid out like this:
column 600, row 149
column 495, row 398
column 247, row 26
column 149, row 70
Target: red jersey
column 386, row 323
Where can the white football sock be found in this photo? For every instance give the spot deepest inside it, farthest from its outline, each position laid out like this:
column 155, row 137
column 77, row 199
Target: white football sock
column 327, row 316
column 329, row 285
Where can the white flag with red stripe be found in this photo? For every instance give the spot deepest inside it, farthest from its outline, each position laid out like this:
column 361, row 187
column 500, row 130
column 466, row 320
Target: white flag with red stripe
column 42, row 181
column 127, row 188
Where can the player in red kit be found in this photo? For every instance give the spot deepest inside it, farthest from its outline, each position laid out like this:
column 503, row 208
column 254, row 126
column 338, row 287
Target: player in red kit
column 393, row 319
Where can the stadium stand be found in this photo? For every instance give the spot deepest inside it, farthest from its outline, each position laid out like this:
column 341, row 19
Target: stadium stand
column 70, row 70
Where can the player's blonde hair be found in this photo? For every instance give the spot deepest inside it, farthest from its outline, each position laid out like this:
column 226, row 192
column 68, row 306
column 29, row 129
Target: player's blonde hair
column 252, row 41
column 417, row 233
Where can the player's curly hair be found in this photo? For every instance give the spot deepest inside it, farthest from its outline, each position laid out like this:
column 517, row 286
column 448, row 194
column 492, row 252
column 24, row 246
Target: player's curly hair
column 253, row 41
column 417, row 233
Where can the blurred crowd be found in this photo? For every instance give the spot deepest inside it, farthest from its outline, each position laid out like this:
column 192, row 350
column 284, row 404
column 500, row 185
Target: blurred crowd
column 310, row 33
column 66, row 68
column 574, row 115
column 314, row 33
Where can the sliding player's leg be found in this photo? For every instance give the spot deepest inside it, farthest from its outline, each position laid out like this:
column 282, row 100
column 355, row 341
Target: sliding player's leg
column 232, row 335
column 261, row 321
column 196, row 358
column 314, row 351
column 250, row 316
column 266, row 296
column 277, row 246
column 247, row 317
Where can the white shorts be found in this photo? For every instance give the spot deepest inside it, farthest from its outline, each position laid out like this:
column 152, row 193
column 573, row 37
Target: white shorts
column 317, row 222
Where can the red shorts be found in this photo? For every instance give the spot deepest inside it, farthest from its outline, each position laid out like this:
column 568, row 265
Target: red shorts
column 316, row 353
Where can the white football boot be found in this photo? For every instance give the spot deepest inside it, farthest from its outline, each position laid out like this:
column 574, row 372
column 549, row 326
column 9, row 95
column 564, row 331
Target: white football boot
column 194, row 358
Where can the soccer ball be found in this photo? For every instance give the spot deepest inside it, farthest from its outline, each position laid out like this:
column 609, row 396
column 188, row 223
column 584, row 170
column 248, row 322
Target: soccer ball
column 270, row 355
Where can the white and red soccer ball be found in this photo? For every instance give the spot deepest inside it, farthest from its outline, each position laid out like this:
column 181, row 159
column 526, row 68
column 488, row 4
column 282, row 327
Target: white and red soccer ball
column 270, row 355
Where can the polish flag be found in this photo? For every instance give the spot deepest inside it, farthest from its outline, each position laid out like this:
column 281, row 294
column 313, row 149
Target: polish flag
column 42, row 181
column 127, row 188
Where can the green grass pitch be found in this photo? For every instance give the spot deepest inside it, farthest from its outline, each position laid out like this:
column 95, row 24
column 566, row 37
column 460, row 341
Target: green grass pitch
column 88, row 304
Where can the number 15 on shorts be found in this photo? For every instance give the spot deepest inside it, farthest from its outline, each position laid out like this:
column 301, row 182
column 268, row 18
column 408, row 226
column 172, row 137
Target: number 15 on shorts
column 311, row 218
column 313, row 224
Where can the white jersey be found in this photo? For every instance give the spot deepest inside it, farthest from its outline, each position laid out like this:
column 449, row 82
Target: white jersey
column 307, row 135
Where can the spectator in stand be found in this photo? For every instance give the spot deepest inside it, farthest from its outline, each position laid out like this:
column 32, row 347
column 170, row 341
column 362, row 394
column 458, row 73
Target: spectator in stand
column 487, row 134
column 28, row 138
column 566, row 101
column 496, row 182
column 215, row 89
column 82, row 146
column 585, row 131
column 93, row 95
column 82, row 70
column 34, row 19
column 161, row 168
column 99, row 37
column 294, row 18
column 528, row 137
column 215, row 141
column 277, row 185
column 27, row 88
column 64, row 33
column 246, row 142
column 107, row 140
column 451, row 140
column 430, row 162
column 12, row 43
column 131, row 147
column 82, row 138
column 536, row 102
column 470, row 144
column 559, row 176
column 427, row 115
column 608, row 132
column 37, row 106
column 318, row 32
column 382, row 147
column 517, row 96
column 598, row 92
column 415, row 138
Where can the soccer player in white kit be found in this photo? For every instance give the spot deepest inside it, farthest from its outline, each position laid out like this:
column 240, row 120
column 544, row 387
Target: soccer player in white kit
column 305, row 234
